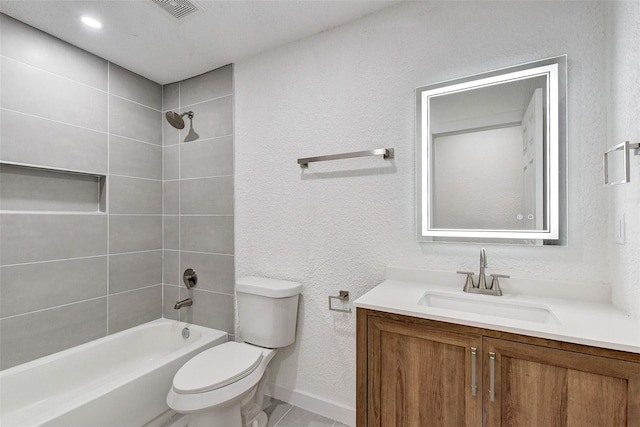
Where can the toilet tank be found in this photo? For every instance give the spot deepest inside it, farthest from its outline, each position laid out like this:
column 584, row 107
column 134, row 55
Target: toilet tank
column 267, row 311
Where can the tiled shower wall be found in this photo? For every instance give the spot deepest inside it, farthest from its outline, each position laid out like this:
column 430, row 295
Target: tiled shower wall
column 67, row 276
column 198, row 199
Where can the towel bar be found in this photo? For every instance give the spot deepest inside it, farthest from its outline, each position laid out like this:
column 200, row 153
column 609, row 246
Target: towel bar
column 386, row 153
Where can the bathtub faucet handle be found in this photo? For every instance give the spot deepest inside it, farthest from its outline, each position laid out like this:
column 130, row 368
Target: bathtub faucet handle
column 190, row 278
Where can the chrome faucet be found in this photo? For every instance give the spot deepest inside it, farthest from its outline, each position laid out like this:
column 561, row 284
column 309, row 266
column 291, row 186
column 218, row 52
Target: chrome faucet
column 482, row 283
column 184, row 303
column 481, row 287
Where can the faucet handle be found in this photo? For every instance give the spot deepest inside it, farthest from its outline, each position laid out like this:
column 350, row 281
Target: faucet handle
column 495, row 284
column 468, row 284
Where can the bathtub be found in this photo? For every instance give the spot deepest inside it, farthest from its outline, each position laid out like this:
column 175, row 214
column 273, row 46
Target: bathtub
column 116, row 381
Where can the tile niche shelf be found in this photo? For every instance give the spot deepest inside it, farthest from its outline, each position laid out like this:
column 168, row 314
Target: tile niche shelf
column 33, row 189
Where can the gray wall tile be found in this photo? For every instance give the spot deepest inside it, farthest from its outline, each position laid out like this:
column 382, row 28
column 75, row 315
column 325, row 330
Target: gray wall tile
column 43, row 237
column 204, row 87
column 212, row 196
column 134, row 270
column 33, row 335
column 170, row 96
column 171, row 268
column 134, row 308
column 31, row 189
column 170, row 135
column 213, row 234
column 171, row 236
column 133, row 158
column 215, row 272
column 134, row 87
column 30, row 90
column 209, row 309
column 135, row 121
column 41, row 142
column 133, row 233
column 170, row 162
column 34, row 47
column 30, row 287
column 171, row 197
column 134, row 196
column 211, row 118
column 198, row 212
column 170, row 297
column 209, row 157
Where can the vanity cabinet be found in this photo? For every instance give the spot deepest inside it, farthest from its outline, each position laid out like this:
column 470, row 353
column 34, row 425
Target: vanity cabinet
column 414, row 372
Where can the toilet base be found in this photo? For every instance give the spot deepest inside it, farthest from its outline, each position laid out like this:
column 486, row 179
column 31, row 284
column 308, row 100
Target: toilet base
column 259, row 421
column 229, row 416
column 224, row 419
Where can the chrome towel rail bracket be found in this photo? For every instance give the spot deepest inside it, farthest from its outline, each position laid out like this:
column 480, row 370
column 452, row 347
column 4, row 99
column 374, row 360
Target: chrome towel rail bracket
column 625, row 147
column 344, row 297
column 386, row 153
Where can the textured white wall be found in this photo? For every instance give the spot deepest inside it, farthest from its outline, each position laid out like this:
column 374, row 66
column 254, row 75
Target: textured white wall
column 338, row 224
column 623, row 33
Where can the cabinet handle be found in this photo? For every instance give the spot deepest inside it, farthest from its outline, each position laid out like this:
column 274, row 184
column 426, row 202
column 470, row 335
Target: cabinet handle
column 474, row 383
column 492, row 374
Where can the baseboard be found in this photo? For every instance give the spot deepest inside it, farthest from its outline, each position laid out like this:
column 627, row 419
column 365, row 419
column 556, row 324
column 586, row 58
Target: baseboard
column 312, row 403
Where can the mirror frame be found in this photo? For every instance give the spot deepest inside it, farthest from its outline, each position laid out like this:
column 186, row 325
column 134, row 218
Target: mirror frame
column 555, row 152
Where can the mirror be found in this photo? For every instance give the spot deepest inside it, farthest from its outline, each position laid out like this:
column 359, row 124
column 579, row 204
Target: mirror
column 491, row 149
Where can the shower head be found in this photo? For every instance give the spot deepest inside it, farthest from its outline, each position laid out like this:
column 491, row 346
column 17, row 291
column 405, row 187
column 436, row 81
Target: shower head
column 176, row 120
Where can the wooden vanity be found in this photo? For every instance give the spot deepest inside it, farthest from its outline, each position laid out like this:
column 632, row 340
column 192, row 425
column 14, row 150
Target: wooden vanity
column 429, row 370
column 418, row 372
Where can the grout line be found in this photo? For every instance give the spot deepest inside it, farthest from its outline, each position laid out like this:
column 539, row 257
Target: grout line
column 199, row 102
column 54, row 307
column 201, row 177
column 55, row 121
column 60, row 75
column 200, row 252
column 80, row 302
column 107, row 92
column 142, row 214
column 162, row 117
column 138, row 140
column 202, row 140
column 179, row 206
column 135, row 177
column 83, row 257
column 107, row 188
column 136, row 102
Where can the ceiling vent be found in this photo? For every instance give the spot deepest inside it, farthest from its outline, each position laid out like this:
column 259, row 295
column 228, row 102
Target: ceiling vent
column 178, row 8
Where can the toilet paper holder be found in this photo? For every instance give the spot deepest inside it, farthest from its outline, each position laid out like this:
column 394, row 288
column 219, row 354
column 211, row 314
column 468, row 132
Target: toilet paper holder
column 343, row 296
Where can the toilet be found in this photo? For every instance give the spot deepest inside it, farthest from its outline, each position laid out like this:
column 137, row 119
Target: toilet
column 223, row 386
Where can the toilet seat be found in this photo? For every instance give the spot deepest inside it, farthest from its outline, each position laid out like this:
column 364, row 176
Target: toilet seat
column 217, row 367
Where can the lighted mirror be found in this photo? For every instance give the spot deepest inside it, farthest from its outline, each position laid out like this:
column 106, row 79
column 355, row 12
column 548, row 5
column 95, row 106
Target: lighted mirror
column 491, row 156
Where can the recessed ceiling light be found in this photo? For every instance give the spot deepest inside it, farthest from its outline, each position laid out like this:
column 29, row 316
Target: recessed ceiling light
column 91, row 22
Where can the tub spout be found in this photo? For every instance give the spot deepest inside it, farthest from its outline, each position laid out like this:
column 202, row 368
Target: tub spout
column 184, row 303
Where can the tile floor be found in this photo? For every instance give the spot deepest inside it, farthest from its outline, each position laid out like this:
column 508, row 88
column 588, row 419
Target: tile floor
column 280, row 414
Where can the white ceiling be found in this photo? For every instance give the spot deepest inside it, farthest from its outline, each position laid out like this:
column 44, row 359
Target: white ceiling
column 142, row 37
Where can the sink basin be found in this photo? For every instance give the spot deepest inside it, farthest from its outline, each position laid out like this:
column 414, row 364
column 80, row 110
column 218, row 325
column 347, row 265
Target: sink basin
column 482, row 304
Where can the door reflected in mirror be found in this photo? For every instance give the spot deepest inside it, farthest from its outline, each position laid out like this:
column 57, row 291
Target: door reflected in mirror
column 490, row 153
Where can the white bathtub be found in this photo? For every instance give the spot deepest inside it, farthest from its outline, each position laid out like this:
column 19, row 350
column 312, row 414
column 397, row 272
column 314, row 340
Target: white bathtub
column 117, row 381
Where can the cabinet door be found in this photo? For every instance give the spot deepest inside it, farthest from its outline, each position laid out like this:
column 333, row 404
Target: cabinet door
column 421, row 376
column 539, row 386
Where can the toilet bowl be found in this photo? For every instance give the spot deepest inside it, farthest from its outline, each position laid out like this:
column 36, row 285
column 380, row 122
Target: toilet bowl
column 223, row 386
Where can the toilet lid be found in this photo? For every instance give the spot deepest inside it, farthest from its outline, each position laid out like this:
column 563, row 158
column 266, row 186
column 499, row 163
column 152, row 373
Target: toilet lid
column 217, row 367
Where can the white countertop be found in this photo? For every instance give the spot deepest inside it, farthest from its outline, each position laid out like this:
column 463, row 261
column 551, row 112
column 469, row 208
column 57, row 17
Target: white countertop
column 581, row 322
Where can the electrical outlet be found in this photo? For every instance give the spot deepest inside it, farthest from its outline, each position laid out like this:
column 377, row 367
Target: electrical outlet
column 619, row 230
